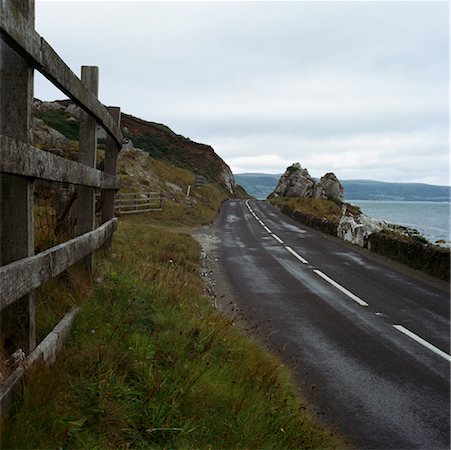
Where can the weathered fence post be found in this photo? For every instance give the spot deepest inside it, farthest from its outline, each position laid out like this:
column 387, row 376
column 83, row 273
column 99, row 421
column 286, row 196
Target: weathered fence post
column 16, row 192
column 87, row 155
column 110, row 167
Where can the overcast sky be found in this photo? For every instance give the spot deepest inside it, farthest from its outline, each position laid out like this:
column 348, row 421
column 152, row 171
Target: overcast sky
column 357, row 88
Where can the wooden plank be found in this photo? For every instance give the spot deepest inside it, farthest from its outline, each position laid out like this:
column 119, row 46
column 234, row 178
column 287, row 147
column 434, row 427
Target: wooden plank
column 139, row 207
column 86, row 201
column 46, row 351
column 20, row 35
column 130, row 194
column 138, row 201
column 20, row 277
column 23, row 159
column 110, row 167
column 51, row 345
column 136, row 211
column 16, row 210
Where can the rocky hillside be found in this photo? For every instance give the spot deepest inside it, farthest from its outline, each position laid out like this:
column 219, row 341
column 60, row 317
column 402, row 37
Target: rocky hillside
column 56, row 127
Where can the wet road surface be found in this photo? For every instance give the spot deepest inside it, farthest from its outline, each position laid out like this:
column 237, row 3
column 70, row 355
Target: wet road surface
column 368, row 342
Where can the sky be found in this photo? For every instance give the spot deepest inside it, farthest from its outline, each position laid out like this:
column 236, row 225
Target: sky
column 357, row 88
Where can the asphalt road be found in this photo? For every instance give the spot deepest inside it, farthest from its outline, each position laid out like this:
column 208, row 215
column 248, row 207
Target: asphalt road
column 368, row 341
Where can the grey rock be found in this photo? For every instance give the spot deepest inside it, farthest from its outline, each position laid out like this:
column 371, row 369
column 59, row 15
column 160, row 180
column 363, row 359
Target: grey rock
column 332, row 186
column 357, row 229
column 228, row 179
column 297, row 182
column 73, row 110
column 127, row 144
column 47, row 137
column 50, row 106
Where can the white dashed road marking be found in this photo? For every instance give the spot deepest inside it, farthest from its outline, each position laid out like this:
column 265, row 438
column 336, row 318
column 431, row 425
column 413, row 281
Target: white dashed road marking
column 422, row 342
column 277, row 238
column 296, row 255
column 340, row 288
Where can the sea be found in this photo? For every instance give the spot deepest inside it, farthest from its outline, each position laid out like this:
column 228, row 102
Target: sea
column 431, row 219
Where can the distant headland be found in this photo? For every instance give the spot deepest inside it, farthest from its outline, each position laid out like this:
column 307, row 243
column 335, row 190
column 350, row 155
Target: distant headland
column 260, row 185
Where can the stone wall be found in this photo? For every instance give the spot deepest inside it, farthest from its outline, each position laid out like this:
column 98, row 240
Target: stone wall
column 324, row 225
column 428, row 258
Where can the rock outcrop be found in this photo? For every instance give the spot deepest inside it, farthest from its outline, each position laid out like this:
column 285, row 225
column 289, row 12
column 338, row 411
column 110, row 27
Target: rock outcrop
column 48, row 138
column 332, row 186
column 357, row 229
column 297, row 182
column 228, row 180
column 352, row 226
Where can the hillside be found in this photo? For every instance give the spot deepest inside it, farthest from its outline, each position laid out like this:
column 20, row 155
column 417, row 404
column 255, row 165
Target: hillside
column 378, row 190
column 159, row 141
column 261, row 185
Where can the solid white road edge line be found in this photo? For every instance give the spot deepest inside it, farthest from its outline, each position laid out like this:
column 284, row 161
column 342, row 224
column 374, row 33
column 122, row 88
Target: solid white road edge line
column 296, row 255
column 267, row 229
column 340, row 288
column 277, row 238
column 422, row 342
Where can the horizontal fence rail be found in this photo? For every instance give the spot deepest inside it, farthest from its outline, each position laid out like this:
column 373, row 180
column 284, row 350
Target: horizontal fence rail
column 139, row 202
column 46, row 351
column 19, row 158
column 20, row 277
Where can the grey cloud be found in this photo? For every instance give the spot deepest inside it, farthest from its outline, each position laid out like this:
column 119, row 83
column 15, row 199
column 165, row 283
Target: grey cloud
column 267, row 78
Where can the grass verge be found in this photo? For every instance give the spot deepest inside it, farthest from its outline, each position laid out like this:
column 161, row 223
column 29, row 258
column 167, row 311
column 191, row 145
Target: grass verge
column 152, row 364
column 326, row 209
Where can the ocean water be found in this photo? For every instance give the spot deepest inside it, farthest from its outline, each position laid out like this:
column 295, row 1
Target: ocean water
column 431, row 219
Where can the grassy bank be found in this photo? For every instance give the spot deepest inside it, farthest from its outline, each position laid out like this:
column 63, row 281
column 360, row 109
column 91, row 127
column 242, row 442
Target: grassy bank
column 324, row 209
column 150, row 362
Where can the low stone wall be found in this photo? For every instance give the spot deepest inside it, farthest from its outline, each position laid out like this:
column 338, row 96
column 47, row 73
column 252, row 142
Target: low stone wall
column 324, row 225
column 430, row 259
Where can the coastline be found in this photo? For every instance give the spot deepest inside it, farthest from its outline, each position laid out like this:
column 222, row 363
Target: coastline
column 430, row 219
column 426, row 257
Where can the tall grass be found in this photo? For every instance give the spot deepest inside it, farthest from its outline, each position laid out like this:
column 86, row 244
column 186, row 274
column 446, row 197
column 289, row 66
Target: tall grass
column 151, row 364
column 327, row 209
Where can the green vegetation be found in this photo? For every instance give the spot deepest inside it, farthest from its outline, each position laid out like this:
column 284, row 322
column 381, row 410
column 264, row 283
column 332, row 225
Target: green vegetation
column 329, row 209
column 241, row 192
column 405, row 234
column 151, row 363
column 60, row 121
column 153, row 144
column 186, row 215
column 315, row 207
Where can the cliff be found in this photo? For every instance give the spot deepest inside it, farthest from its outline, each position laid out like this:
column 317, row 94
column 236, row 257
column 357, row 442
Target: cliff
column 57, row 126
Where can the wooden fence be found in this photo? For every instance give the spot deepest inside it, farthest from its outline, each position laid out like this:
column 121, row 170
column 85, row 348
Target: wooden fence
column 138, row 202
column 199, row 181
column 23, row 50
